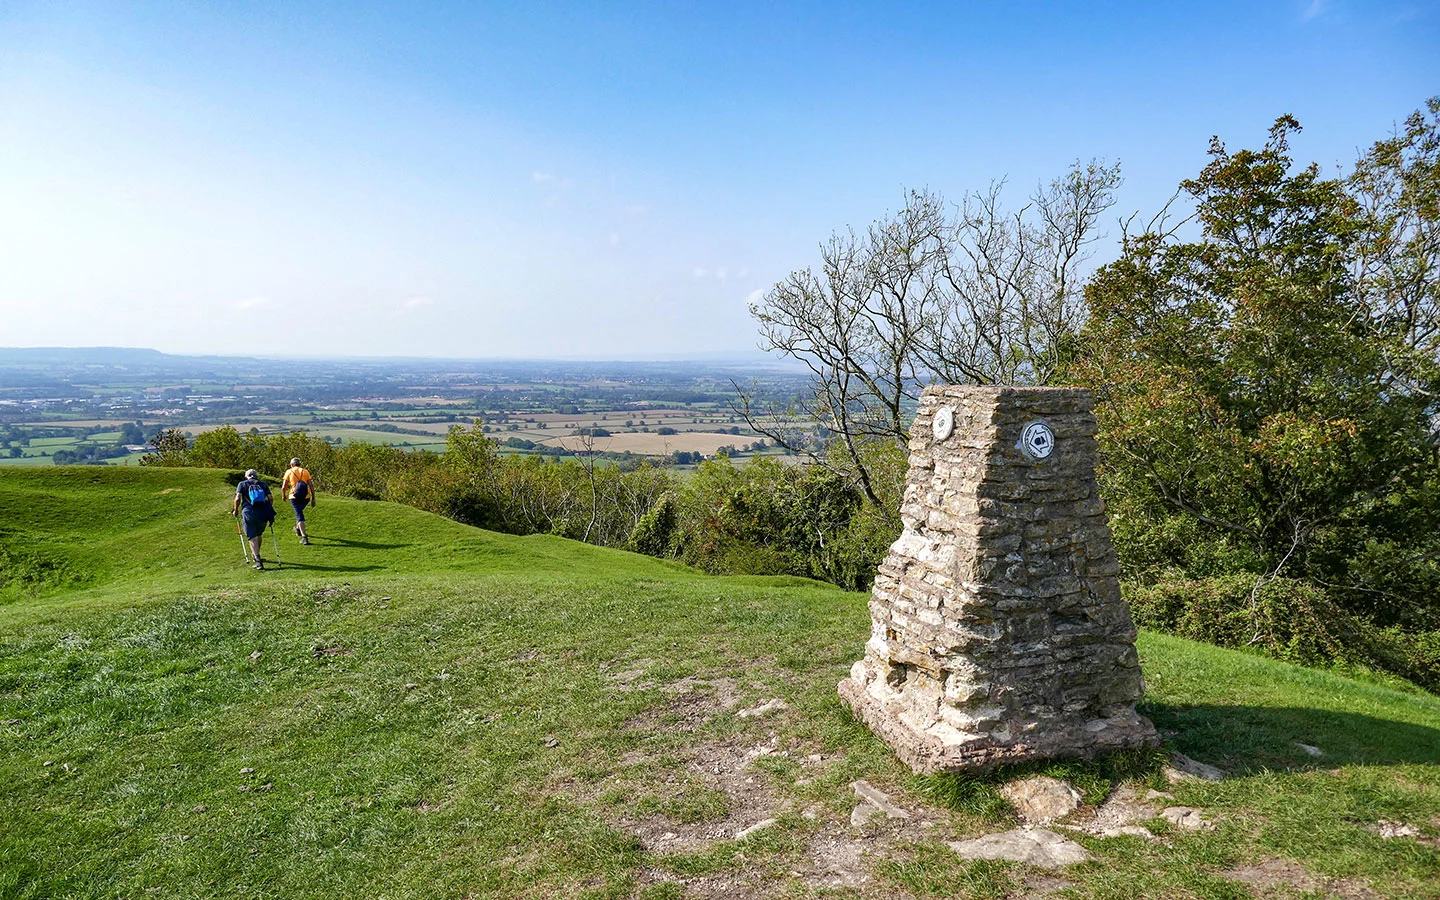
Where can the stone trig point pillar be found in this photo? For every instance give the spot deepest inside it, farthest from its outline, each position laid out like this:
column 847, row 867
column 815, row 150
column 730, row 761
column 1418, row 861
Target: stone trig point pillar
column 998, row 632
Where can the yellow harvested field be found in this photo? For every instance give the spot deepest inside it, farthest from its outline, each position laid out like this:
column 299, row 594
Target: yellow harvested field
column 612, row 416
column 429, row 401
column 652, row 444
column 440, row 428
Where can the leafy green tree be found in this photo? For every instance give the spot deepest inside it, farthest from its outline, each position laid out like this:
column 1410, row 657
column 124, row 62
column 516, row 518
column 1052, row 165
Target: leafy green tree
column 1266, row 379
column 171, row 449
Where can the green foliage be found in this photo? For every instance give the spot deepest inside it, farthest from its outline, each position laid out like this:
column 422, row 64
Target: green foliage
column 764, row 518
column 1288, row 619
column 654, row 533
column 769, row 518
column 171, row 448
column 1266, row 394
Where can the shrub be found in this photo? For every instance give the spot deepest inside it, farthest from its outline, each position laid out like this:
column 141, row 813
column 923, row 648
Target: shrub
column 1285, row 618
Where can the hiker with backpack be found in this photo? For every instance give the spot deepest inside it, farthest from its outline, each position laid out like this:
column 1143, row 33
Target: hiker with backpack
column 299, row 488
column 255, row 509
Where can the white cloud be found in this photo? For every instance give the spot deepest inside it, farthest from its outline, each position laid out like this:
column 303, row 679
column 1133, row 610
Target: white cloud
column 615, row 239
column 754, row 297
column 1316, row 9
column 701, row 273
column 550, row 180
column 251, row 303
column 637, row 209
column 414, row 304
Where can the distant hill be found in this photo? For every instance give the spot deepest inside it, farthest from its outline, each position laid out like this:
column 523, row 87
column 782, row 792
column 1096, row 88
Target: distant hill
column 78, row 355
column 81, row 356
column 412, row 707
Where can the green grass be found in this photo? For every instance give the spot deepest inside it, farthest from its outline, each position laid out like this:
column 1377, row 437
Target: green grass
column 430, row 710
column 27, row 461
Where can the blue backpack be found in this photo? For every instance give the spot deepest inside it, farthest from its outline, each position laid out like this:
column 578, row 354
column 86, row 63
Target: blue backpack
column 256, row 496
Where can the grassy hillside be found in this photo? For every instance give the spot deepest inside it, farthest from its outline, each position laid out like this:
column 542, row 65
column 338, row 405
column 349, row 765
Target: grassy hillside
column 414, row 708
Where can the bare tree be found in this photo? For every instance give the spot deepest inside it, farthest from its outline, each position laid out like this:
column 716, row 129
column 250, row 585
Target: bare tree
column 980, row 296
column 1014, row 281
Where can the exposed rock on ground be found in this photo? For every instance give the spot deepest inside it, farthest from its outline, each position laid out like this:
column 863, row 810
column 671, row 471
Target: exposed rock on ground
column 764, row 709
column 1187, row 818
column 838, row 855
column 1041, row 799
column 761, row 825
column 1120, row 812
column 878, row 799
column 863, row 813
column 1182, row 767
column 1393, row 830
column 1033, row 846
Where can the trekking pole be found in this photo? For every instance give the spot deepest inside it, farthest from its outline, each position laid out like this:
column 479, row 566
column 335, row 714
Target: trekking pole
column 244, row 544
column 276, row 540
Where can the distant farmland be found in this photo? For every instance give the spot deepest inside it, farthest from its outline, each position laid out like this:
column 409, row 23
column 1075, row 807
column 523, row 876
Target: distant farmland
column 652, row 444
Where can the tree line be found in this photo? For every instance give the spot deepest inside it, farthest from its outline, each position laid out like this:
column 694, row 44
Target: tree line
column 765, row 517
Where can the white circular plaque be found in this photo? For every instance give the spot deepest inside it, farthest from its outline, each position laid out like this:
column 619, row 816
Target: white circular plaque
column 1037, row 441
column 943, row 423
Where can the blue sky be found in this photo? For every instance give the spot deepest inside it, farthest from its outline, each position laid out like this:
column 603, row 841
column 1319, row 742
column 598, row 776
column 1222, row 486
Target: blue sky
column 597, row 180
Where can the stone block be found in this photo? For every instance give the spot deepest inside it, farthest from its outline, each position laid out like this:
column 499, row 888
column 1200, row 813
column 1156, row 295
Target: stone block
column 999, row 634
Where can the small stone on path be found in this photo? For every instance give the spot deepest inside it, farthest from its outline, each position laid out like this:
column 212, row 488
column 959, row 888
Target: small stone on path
column 763, row 709
column 1139, row 831
column 878, row 798
column 1119, row 813
column 758, row 826
column 1390, row 830
column 1187, row 818
column 863, row 813
column 1034, row 846
column 1182, row 767
column 1041, row 799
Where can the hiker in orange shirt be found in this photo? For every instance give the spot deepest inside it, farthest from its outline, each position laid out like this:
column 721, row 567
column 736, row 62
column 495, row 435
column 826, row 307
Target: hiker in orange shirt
column 299, row 489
